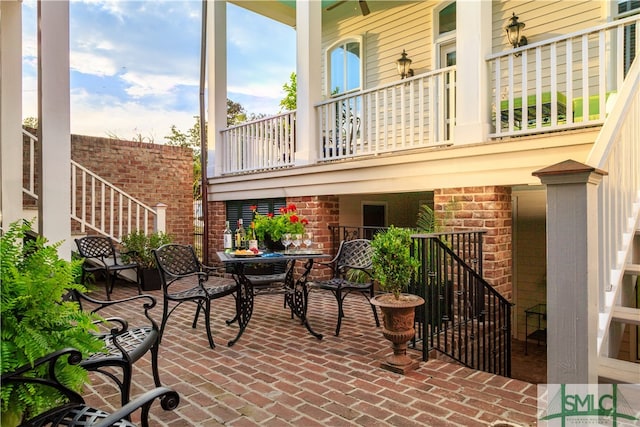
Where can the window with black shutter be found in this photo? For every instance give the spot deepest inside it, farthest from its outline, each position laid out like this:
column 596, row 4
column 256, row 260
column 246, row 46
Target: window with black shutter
column 237, row 209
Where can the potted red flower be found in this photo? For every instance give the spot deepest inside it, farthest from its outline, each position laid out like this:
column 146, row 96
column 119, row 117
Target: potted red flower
column 270, row 226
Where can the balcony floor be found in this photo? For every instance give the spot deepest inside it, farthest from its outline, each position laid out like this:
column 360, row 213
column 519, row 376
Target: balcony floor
column 277, row 374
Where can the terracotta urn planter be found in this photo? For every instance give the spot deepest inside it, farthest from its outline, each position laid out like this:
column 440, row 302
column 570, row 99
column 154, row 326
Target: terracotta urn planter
column 398, row 327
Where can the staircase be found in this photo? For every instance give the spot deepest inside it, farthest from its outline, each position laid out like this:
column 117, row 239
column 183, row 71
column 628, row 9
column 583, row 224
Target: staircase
column 624, row 322
column 97, row 206
column 617, row 151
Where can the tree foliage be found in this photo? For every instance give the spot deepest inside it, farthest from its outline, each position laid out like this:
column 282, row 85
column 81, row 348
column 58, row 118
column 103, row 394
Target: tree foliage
column 289, row 102
column 236, row 113
column 190, row 139
column 31, row 122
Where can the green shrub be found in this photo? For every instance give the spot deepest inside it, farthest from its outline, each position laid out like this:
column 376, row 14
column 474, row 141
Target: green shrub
column 392, row 263
column 140, row 245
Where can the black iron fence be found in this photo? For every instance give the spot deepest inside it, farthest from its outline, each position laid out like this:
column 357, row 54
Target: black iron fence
column 463, row 317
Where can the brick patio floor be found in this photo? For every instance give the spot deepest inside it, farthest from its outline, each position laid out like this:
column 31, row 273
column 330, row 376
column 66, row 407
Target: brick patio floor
column 277, row 374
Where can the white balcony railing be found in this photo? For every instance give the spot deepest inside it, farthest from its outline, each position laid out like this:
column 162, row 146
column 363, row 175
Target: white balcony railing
column 564, row 82
column 260, row 144
column 413, row 113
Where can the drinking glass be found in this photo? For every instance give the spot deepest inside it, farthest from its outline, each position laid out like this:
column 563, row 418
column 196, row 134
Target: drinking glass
column 286, row 241
column 297, row 241
column 307, row 239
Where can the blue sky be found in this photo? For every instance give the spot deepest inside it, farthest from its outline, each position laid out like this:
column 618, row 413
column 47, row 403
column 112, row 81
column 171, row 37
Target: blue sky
column 135, row 64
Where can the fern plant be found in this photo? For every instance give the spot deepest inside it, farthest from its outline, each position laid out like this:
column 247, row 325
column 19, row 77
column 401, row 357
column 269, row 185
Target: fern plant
column 36, row 319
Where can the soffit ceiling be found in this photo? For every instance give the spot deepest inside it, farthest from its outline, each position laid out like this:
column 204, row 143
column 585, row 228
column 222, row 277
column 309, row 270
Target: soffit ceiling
column 284, row 11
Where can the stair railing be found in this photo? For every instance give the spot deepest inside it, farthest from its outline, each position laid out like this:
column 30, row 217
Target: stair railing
column 463, row 317
column 617, row 152
column 97, row 206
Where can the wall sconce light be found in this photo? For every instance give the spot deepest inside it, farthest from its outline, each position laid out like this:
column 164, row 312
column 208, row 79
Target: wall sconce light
column 404, row 66
column 514, row 30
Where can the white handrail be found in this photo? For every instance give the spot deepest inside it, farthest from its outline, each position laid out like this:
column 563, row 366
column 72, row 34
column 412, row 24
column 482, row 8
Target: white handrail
column 105, row 208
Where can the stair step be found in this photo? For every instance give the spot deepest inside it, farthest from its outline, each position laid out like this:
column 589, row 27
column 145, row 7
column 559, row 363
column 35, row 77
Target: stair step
column 618, row 371
column 627, row 315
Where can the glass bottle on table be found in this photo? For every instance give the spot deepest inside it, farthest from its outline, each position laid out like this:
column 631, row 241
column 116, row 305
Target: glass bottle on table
column 253, row 239
column 227, row 238
column 241, row 236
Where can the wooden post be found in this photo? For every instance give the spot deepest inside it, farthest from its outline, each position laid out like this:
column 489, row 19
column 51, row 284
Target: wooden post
column 572, row 272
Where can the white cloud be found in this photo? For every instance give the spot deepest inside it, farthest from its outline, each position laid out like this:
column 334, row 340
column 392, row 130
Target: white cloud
column 125, row 120
column 113, row 7
column 95, row 64
column 149, row 84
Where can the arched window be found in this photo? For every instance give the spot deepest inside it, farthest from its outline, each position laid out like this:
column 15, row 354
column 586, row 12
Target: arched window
column 447, row 19
column 345, row 66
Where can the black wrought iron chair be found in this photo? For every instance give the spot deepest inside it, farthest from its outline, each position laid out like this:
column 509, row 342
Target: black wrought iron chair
column 76, row 412
column 124, row 345
column 100, row 255
column 352, row 255
column 179, row 264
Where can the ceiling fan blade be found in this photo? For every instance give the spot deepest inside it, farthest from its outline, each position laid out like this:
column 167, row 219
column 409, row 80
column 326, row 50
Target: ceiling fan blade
column 364, row 7
column 336, row 4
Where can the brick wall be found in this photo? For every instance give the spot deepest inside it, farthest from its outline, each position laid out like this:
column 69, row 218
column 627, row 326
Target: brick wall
column 487, row 208
column 152, row 173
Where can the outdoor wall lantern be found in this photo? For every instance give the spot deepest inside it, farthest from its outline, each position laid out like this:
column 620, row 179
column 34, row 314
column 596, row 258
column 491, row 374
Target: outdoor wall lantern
column 514, row 30
column 404, row 66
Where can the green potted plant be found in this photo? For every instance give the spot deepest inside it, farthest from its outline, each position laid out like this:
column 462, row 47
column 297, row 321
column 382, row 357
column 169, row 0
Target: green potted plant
column 37, row 320
column 137, row 247
column 393, row 267
column 269, row 227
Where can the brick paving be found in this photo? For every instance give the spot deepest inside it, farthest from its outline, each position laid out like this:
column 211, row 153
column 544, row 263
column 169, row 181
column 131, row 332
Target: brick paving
column 277, row 374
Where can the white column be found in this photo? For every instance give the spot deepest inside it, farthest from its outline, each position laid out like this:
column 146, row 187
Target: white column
column 11, row 112
column 572, row 272
column 54, row 120
column 473, row 23
column 217, row 82
column 308, row 55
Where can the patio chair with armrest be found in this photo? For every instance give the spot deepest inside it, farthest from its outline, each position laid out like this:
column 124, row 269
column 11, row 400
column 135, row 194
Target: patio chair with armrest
column 178, row 265
column 352, row 255
column 76, row 412
column 124, row 345
column 100, row 255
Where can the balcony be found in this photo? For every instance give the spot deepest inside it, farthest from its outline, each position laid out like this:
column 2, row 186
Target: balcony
column 568, row 82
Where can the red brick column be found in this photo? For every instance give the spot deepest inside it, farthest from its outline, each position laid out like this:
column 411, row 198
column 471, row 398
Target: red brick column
column 486, row 208
column 321, row 211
